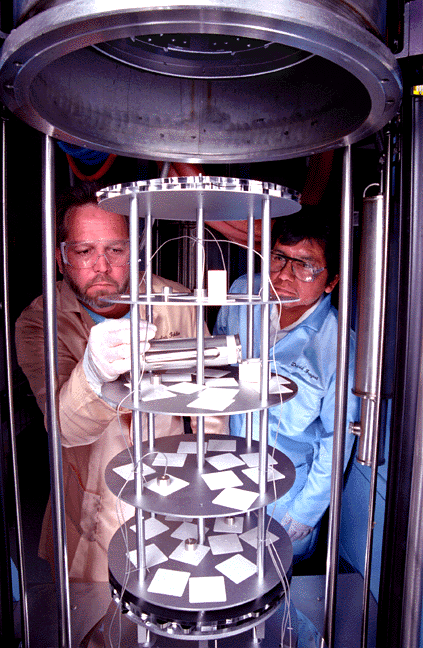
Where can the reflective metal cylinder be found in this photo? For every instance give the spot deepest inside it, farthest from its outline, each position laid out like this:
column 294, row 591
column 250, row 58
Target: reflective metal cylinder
column 217, row 81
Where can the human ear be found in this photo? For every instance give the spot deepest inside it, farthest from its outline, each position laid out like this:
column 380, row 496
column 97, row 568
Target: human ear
column 59, row 259
column 332, row 284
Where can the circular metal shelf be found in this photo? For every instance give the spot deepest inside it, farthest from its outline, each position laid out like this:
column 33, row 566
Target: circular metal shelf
column 180, row 198
column 119, row 393
column 196, row 498
column 245, row 605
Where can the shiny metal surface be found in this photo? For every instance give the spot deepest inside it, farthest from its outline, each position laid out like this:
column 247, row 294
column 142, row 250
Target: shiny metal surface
column 298, row 77
column 370, row 293
column 221, row 198
column 196, row 498
column 245, row 604
column 341, row 398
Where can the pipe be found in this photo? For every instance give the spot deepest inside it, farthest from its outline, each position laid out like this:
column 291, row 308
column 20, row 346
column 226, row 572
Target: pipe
column 9, row 380
column 52, row 414
column 344, row 323
column 135, row 373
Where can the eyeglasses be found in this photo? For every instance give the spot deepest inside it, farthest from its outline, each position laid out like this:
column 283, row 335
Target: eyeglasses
column 300, row 269
column 85, row 254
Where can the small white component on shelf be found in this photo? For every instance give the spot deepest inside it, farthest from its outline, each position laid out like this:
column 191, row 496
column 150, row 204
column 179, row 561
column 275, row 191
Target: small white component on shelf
column 175, row 485
column 185, row 530
column 217, row 281
column 221, row 525
column 225, row 461
column 152, row 528
column 189, row 447
column 153, row 556
column 190, row 557
column 214, row 398
column 169, row 581
column 224, row 543
column 207, row 589
column 127, row 471
column 252, row 459
column 237, row 568
column 253, row 473
column 216, row 445
column 236, row 498
column 219, row 480
column 170, row 459
column 251, row 537
column 250, row 370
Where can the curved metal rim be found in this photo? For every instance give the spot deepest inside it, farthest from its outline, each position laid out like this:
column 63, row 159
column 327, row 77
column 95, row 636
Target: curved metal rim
column 36, row 43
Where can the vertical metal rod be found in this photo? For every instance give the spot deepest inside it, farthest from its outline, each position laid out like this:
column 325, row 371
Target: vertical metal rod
column 148, row 225
column 412, row 602
column 200, row 344
column 250, row 312
column 9, row 379
column 376, row 405
column 412, row 594
column 264, row 380
column 135, row 378
column 344, row 323
column 52, row 414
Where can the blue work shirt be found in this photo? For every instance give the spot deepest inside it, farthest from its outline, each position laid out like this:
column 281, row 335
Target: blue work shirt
column 303, row 428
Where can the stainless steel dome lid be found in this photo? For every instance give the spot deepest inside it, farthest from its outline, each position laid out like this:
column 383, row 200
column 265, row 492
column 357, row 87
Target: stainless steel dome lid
column 212, row 82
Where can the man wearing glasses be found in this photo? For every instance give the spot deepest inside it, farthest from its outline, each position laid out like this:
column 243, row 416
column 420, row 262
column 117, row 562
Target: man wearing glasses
column 93, row 348
column 303, row 341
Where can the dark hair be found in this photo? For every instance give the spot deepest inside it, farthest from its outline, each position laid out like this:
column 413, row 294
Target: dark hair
column 310, row 224
column 82, row 194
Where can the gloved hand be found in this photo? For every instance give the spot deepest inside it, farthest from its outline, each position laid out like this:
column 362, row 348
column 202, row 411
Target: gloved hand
column 295, row 530
column 108, row 352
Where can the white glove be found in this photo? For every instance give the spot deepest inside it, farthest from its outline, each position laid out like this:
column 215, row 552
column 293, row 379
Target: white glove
column 295, row 530
column 108, row 352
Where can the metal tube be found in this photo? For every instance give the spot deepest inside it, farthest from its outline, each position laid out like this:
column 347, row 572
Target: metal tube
column 412, row 602
column 200, row 324
column 9, row 379
column 148, row 228
column 264, row 379
column 373, row 435
column 52, row 414
column 250, row 313
column 135, row 378
column 344, row 322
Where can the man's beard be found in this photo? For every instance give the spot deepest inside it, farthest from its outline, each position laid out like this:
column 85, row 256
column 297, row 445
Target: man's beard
column 98, row 300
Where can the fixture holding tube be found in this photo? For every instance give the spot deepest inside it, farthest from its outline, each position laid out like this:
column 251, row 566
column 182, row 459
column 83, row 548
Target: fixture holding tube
column 370, row 320
column 181, row 353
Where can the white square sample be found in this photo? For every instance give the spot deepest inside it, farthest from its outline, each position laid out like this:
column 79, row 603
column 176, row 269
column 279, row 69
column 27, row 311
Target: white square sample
column 211, row 372
column 172, row 518
column 175, row 485
column 251, row 537
column 223, row 479
column 127, row 471
column 222, row 382
column 236, row 526
column 170, row 459
column 176, row 377
column 152, row 528
column 237, row 568
column 169, row 581
column 189, row 447
column 221, row 445
column 155, row 392
column 214, row 399
column 236, row 498
column 224, row 543
column 189, row 557
column 207, row 589
column 186, row 530
column 185, row 388
column 252, row 459
column 272, row 474
column 153, row 556
column 225, row 461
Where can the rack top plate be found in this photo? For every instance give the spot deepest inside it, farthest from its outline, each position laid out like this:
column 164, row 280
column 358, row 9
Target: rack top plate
column 180, row 198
